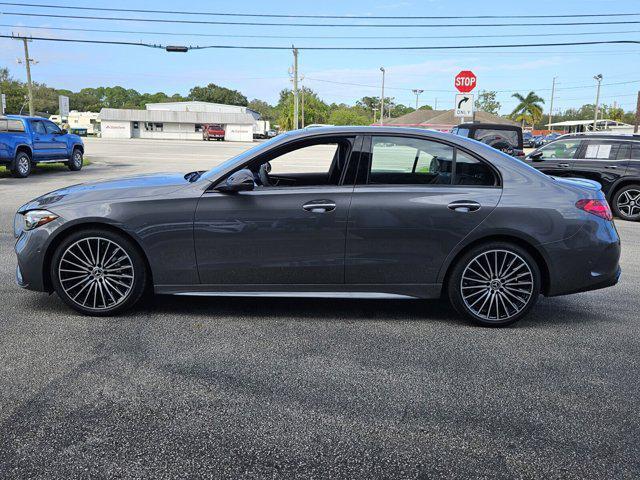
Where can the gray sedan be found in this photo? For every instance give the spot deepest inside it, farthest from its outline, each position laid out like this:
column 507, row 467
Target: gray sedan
column 365, row 212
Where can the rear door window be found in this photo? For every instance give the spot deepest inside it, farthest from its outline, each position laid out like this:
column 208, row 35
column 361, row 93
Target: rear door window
column 605, row 150
column 560, row 149
column 38, row 127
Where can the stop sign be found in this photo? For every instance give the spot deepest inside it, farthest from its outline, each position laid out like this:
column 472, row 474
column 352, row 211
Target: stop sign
column 465, row 81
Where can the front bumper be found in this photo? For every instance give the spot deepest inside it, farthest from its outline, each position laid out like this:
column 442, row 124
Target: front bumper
column 31, row 248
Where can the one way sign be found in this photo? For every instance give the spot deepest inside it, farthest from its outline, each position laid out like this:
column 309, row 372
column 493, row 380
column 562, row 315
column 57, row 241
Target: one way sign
column 464, row 105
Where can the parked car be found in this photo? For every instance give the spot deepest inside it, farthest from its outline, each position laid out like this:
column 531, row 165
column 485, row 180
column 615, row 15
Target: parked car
column 528, row 140
column 213, row 131
column 506, row 138
column 271, row 133
column 612, row 160
column 27, row 141
column 538, row 141
column 383, row 212
column 550, row 137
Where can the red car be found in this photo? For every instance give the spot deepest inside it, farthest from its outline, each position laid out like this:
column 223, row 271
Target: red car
column 213, row 131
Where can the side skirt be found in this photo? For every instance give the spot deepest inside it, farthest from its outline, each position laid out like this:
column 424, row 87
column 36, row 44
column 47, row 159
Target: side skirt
column 371, row 291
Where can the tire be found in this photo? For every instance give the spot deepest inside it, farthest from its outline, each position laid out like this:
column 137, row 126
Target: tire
column 80, row 279
column 22, row 165
column 75, row 162
column 473, row 284
column 626, row 203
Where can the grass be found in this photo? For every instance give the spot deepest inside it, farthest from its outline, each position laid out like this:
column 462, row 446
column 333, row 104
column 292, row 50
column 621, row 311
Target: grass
column 43, row 168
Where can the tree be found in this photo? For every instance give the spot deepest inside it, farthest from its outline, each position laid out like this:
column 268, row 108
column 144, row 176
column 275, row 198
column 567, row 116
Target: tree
column 15, row 91
column 400, row 109
column 487, row 102
column 344, row 115
column 528, row 110
column 266, row 111
column 426, row 107
column 216, row 94
column 315, row 110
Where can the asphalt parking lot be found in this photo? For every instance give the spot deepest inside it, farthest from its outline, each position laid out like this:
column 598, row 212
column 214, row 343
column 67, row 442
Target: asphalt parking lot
column 277, row 388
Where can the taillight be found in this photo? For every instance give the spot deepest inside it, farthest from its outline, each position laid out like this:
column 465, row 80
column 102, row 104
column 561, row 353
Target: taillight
column 596, row 207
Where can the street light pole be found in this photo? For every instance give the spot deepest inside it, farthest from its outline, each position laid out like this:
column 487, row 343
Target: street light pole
column 597, row 78
column 382, row 98
column 417, row 92
column 553, row 91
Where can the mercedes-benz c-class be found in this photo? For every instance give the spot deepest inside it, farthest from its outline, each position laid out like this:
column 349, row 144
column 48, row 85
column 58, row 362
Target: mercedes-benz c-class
column 357, row 212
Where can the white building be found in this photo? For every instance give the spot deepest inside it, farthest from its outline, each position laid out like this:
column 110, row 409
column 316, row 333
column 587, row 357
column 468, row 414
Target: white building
column 177, row 121
column 80, row 120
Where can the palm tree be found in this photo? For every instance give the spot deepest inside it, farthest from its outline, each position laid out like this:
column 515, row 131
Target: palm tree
column 529, row 110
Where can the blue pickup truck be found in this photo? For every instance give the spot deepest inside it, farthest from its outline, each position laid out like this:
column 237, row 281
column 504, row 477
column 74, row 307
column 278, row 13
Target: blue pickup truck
column 27, row 141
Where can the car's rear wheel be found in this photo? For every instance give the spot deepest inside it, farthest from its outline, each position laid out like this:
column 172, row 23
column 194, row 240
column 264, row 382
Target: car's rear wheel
column 75, row 162
column 626, row 203
column 98, row 272
column 22, row 165
column 494, row 284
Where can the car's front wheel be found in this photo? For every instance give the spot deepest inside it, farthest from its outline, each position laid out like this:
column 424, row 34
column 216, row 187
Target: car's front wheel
column 626, row 203
column 98, row 272
column 494, row 284
column 75, row 162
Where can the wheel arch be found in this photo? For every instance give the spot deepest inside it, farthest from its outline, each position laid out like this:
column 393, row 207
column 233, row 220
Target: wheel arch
column 58, row 239
column 519, row 241
column 621, row 183
column 24, row 148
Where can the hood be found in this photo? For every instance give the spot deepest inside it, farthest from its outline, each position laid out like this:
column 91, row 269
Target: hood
column 157, row 184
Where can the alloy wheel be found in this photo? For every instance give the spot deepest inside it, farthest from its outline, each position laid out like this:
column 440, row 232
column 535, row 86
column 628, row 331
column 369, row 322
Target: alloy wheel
column 96, row 273
column 629, row 203
column 497, row 285
column 23, row 165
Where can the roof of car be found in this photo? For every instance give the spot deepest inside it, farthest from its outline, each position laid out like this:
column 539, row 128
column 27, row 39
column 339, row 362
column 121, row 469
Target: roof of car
column 502, row 126
column 607, row 136
column 25, row 117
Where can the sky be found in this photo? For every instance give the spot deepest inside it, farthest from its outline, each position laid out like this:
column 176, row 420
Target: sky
column 337, row 76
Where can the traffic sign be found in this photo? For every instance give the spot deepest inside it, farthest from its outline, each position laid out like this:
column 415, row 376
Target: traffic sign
column 463, row 105
column 63, row 105
column 465, row 81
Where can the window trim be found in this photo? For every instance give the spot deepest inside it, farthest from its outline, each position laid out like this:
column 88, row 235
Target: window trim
column 354, row 155
column 367, row 152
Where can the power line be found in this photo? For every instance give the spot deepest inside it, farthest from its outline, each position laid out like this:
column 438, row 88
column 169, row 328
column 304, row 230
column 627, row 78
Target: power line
column 318, row 37
column 276, row 15
column 266, row 47
column 351, row 25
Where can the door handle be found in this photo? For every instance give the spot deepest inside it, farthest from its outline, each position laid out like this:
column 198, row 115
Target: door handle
column 563, row 165
column 464, row 206
column 613, row 167
column 319, row 206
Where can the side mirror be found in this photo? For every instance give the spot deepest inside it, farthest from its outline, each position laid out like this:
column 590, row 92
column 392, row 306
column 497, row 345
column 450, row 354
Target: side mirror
column 240, row 181
column 536, row 156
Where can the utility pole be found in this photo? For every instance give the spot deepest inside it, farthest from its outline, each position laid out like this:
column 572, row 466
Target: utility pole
column 417, row 92
column 302, row 91
column 635, row 128
column 382, row 98
column 436, row 105
column 295, row 88
column 597, row 78
column 553, row 91
column 27, row 63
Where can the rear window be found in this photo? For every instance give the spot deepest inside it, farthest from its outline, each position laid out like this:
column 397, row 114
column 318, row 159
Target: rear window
column 9, row 125
column 490, row 136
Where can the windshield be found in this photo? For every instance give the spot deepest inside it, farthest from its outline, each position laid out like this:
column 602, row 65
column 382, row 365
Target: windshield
column 215, row 171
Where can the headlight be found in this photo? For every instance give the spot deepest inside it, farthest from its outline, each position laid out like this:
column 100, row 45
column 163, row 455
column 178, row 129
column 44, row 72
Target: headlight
column 37, row 218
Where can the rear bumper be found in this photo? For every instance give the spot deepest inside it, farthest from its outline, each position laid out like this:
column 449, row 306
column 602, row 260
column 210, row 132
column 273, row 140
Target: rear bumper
column 589, row 260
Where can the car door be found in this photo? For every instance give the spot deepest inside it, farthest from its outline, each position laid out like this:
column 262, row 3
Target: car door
column 41, row 140
column 414, row 201
column 555, row 158
column 602, row 160
column 291, row 231
column 58, row 144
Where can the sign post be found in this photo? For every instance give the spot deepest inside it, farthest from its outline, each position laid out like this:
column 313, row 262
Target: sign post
column 63, row 104
column 465, row 82
column 3, row 104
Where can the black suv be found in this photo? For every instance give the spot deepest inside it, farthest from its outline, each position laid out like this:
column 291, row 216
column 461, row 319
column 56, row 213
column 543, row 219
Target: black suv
column 506, row 138
column 613, row 160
